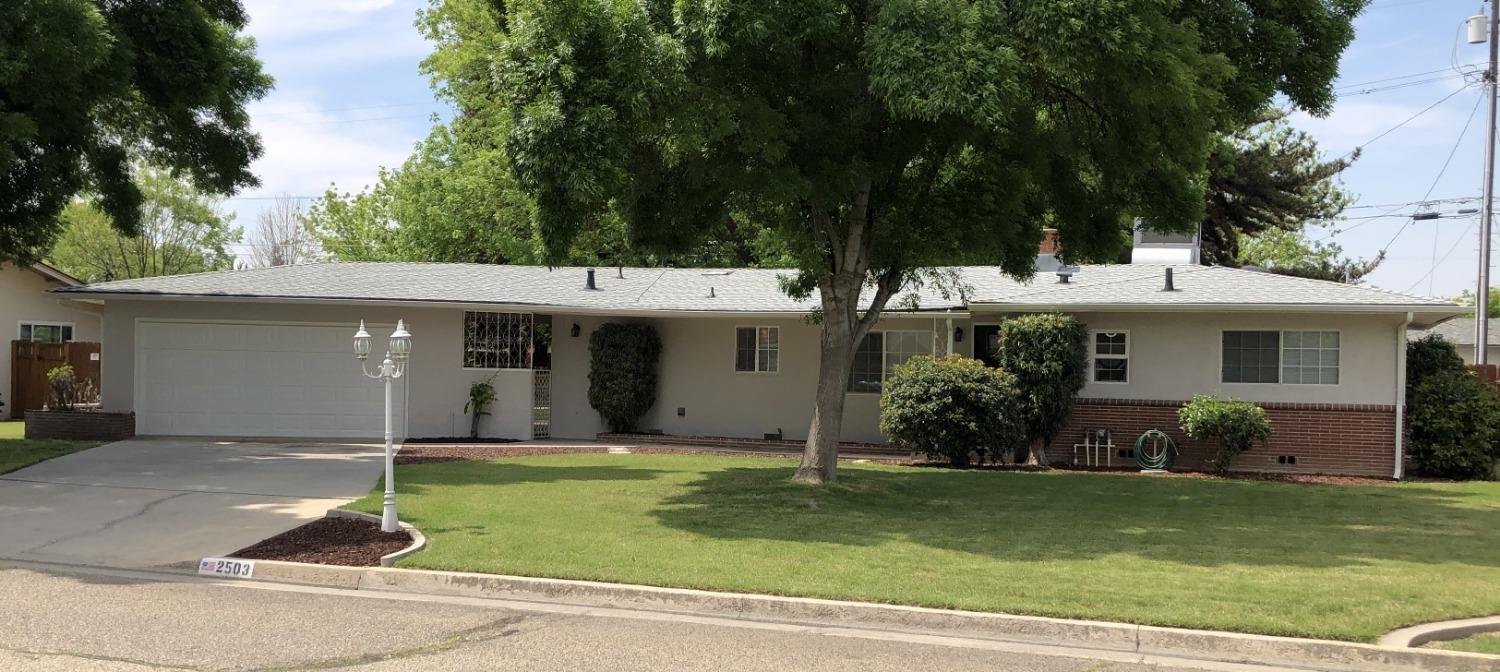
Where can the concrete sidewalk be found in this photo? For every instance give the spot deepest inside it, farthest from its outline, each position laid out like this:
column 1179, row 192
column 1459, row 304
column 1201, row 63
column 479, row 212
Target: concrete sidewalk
column 145, row 502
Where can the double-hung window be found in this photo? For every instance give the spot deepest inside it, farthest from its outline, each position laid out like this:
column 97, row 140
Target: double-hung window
column 1111, row 357
column 45, row 332
column 757, row 349
column 878, row 355
column 1288, row 357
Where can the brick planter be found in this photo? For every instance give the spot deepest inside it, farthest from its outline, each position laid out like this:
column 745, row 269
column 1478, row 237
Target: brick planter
column 79, row 425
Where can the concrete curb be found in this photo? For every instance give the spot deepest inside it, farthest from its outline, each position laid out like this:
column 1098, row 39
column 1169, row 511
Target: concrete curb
column 1418, row 635
column 418, row 540
column 1200, row 645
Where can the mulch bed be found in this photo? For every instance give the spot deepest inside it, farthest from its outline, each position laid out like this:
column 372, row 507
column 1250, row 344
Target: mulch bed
column 420, row 454
column 330, row 541
column 458, row 439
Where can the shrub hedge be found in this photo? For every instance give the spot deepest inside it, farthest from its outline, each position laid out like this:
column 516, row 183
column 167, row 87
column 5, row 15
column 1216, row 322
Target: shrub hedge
column 623, row 373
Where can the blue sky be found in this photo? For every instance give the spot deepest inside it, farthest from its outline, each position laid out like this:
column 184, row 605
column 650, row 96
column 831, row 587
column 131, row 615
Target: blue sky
column 349, row 99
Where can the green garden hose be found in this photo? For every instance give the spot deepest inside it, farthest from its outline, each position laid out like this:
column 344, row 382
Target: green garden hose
column 1162, row 451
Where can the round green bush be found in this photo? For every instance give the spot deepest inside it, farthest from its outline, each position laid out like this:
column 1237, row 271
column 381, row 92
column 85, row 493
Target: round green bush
column 623, row 373
column 1455, row 426
column 949, row 408
column 1235, row 425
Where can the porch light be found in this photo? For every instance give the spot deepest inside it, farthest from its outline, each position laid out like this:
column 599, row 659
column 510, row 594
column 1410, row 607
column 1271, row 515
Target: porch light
column 958, row 334
column 362, row 343
column 400, row 342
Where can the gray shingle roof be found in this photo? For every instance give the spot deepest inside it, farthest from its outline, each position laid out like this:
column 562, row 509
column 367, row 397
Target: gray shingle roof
column 749, row 290
column 1460, row 331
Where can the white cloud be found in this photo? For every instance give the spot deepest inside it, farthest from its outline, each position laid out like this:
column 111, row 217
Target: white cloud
column 283, row 19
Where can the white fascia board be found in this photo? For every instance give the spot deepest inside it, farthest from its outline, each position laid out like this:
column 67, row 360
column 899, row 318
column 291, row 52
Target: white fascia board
column 506, row 307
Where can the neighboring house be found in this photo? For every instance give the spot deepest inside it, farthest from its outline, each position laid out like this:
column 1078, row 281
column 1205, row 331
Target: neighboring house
column 267, row 352
column 29, row 313
column 1462, row 332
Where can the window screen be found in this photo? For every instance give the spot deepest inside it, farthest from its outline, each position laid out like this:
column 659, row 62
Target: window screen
column 1310, row 357
column 1251, row 356
column 868, row 357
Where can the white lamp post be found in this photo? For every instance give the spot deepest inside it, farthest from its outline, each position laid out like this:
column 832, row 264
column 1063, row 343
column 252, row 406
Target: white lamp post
column 394, row 366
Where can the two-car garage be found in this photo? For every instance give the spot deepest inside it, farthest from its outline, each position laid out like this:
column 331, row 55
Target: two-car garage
column 256, row 379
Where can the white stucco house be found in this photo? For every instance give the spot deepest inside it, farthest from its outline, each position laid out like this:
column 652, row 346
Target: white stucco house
column 267, row 352
column 29, row 313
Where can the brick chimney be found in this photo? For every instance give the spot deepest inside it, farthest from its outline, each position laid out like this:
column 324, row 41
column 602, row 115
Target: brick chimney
column 1050, row 243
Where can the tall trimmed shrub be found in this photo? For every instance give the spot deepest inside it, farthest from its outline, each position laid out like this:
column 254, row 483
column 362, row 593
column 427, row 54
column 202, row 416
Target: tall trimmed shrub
column 1455, row 426
column 952, row 407
column 1235, row 425
column 623, row 373
column 1429, row 356
column 1048, row 355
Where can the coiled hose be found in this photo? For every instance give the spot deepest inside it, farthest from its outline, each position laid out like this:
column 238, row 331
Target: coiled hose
column 1162, row 453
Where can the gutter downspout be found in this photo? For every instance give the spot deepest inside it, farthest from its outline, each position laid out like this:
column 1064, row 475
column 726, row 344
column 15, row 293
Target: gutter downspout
column 1401, row 393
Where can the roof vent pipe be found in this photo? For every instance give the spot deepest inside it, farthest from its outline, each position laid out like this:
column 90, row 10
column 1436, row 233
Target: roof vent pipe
column 620, row 272
column 590, row 283
column 710, row 292
column 1065, row 273
column 1169, row 287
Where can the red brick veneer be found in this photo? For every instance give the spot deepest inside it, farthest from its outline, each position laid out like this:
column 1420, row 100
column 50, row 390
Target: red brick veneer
column 79, row 425
column 1352, row 439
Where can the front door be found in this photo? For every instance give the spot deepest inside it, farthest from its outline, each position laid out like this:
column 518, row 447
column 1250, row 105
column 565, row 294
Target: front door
column 987, row 344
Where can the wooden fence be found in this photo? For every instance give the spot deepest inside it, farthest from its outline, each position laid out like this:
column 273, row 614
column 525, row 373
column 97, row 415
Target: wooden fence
column 30, row 362
column 1489, row 373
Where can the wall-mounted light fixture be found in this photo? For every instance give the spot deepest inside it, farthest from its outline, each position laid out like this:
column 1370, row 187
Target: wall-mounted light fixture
column 576, row 330
column 958, row 334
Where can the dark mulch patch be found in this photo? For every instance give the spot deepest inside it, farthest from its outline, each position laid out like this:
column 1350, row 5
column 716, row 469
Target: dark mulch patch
column 432, row 454
column 658, row 450
column 458, row 439
column 330, row 541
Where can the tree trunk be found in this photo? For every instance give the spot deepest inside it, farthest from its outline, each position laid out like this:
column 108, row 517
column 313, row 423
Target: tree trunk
column 820, row 456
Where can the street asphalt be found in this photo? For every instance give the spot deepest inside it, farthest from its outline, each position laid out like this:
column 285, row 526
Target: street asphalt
column 76, row 619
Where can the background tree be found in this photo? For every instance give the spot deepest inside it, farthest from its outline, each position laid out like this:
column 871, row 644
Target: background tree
column 1290, row 252
column 182, row 231
column 879, row 139
column 88, row 85
column 282, row 236
column 1467, row 298
column 1264, row 179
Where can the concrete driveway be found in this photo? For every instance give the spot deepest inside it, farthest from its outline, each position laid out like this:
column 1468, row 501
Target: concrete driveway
column 149, row 502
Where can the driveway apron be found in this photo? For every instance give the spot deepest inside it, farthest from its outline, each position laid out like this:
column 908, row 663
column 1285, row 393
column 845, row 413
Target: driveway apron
column 151, row 502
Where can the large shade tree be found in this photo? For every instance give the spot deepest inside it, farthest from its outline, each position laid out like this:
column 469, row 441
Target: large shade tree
column 882, row 138
column 88, row 85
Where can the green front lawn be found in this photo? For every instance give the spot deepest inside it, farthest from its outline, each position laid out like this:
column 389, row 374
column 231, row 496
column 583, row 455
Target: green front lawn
column 16, row 452
column 1344, row 562
column 1485, row 643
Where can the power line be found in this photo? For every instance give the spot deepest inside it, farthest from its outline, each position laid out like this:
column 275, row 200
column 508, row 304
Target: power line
column 1406, row 121
column 1446, row 162
column 1431, row 271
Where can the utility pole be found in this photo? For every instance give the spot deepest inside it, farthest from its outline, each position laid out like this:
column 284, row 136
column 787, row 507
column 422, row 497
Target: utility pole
column 1482, row 293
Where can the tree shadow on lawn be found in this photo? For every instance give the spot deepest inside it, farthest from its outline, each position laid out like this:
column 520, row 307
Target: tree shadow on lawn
column 1048, row 517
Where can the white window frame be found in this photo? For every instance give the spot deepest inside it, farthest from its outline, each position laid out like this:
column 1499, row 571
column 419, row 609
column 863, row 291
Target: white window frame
column 1094, row 355
column 72, row 326
column 755, row 328
column 885, row 352
column 1281, row 356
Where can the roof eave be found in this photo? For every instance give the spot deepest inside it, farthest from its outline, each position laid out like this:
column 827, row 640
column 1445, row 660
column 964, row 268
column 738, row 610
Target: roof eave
column 479, row 305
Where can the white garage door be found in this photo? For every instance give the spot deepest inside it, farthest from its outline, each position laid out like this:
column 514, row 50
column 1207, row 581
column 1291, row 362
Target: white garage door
column 257, row 380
